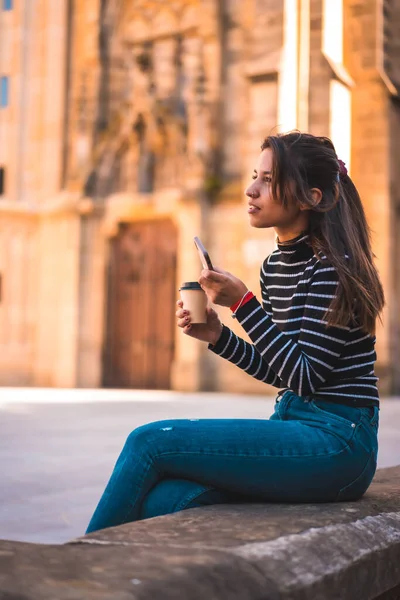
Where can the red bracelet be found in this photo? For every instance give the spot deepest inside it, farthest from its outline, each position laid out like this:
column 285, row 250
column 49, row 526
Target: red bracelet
column 248, row 296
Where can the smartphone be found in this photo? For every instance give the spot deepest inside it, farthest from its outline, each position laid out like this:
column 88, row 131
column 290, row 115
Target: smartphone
column 204, row 256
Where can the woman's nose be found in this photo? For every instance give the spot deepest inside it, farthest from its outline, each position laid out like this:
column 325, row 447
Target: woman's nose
column 251, row 192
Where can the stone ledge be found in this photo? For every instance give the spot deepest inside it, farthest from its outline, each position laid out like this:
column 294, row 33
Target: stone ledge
column 343, row 551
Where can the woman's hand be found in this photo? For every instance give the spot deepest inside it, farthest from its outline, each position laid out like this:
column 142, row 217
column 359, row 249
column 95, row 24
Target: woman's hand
column 206, row 332
column 222, row 287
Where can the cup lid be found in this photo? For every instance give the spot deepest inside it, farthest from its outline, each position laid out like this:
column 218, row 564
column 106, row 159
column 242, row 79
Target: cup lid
column 191, row 285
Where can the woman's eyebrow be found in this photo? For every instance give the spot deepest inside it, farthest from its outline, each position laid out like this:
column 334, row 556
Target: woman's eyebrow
column 264, row 172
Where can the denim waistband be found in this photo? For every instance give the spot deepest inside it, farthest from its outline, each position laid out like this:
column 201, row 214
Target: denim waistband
column 344, row 402
column 353, row 413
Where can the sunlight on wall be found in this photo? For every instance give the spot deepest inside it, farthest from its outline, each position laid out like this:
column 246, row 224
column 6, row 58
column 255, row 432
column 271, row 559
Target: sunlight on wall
column 287, row 109
column 304, row 66
column 340, row 120
column 332, row 36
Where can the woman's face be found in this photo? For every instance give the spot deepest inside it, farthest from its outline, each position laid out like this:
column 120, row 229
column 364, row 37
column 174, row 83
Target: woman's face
column 264, row 210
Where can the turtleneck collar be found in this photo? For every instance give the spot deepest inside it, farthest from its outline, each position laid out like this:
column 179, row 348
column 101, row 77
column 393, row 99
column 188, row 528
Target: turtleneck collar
column 295, row 244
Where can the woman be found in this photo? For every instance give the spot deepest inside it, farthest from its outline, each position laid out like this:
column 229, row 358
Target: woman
column 312, row 336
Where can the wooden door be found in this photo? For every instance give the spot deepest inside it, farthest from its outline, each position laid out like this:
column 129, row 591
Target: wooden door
column 141, row 306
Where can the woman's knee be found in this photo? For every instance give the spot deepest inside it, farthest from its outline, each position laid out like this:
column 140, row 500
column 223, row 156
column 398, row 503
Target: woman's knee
column 148, row 433
column 171, row 495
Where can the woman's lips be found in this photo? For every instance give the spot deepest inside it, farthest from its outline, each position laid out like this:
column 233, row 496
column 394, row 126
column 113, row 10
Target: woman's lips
column 252, row 209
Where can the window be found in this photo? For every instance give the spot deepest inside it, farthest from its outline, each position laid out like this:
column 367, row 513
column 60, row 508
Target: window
column 2, row 180
column 7, row 5
column 4, row 92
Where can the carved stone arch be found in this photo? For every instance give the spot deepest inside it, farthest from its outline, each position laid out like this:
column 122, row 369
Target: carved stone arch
column 117, row 15
column 164, row 22
column 117, row 46
column 137, row 29
column 116, row 11
column 189, row 17
column 126, row 159
column 143, row 129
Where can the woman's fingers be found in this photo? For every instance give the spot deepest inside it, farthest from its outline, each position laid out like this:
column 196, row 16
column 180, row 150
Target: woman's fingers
column 215, row 275
column 183, row 317
column 221, row 271
column 211, row 278
column 183, row 321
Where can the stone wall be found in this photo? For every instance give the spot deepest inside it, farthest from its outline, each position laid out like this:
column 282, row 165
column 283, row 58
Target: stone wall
column 371, row 163
column 34, row 46
column 395, row 240
column 234, row 93
column 163, row 116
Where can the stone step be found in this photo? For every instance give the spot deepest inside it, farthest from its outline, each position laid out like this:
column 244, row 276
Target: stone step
column 336, row 551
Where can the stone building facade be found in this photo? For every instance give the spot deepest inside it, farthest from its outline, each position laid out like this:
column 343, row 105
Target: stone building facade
column 129, row 126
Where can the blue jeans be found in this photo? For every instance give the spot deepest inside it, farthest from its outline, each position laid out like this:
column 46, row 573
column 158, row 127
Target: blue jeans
column 308, row 451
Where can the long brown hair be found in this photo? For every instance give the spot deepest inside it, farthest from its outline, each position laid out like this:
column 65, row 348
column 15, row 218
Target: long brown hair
column 337, row 225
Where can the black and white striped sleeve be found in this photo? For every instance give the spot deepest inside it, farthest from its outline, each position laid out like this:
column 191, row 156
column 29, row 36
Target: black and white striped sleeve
column 302, row 365
column 245, row 356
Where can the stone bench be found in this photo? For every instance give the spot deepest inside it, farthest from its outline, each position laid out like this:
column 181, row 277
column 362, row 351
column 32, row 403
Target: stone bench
column 346, row 551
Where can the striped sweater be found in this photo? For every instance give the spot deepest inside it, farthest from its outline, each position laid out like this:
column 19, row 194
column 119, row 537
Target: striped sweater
column 293, row 348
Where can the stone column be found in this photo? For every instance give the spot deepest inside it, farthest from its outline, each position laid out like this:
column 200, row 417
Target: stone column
column 92, row 302
column 58, row 292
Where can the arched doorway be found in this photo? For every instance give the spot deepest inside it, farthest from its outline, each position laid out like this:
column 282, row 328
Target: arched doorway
column 139, row 345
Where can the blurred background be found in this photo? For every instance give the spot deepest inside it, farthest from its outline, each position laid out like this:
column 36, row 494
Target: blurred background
column 129, row 126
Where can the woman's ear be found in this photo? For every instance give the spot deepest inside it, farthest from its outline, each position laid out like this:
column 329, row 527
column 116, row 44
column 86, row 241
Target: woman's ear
column 316, row 195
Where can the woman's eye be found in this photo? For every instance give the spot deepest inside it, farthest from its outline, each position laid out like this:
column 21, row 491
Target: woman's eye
column 266, row 179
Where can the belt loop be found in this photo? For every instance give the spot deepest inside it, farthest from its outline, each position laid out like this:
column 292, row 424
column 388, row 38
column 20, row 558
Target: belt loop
column 280, row 394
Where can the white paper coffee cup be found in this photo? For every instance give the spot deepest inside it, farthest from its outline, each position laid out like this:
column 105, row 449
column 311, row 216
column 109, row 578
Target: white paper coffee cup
column 194, row 300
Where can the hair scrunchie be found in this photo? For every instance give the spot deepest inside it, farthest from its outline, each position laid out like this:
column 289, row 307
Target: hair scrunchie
column 342, row 168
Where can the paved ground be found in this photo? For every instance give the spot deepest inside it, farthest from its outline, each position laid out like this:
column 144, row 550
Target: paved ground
column 58, row 447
